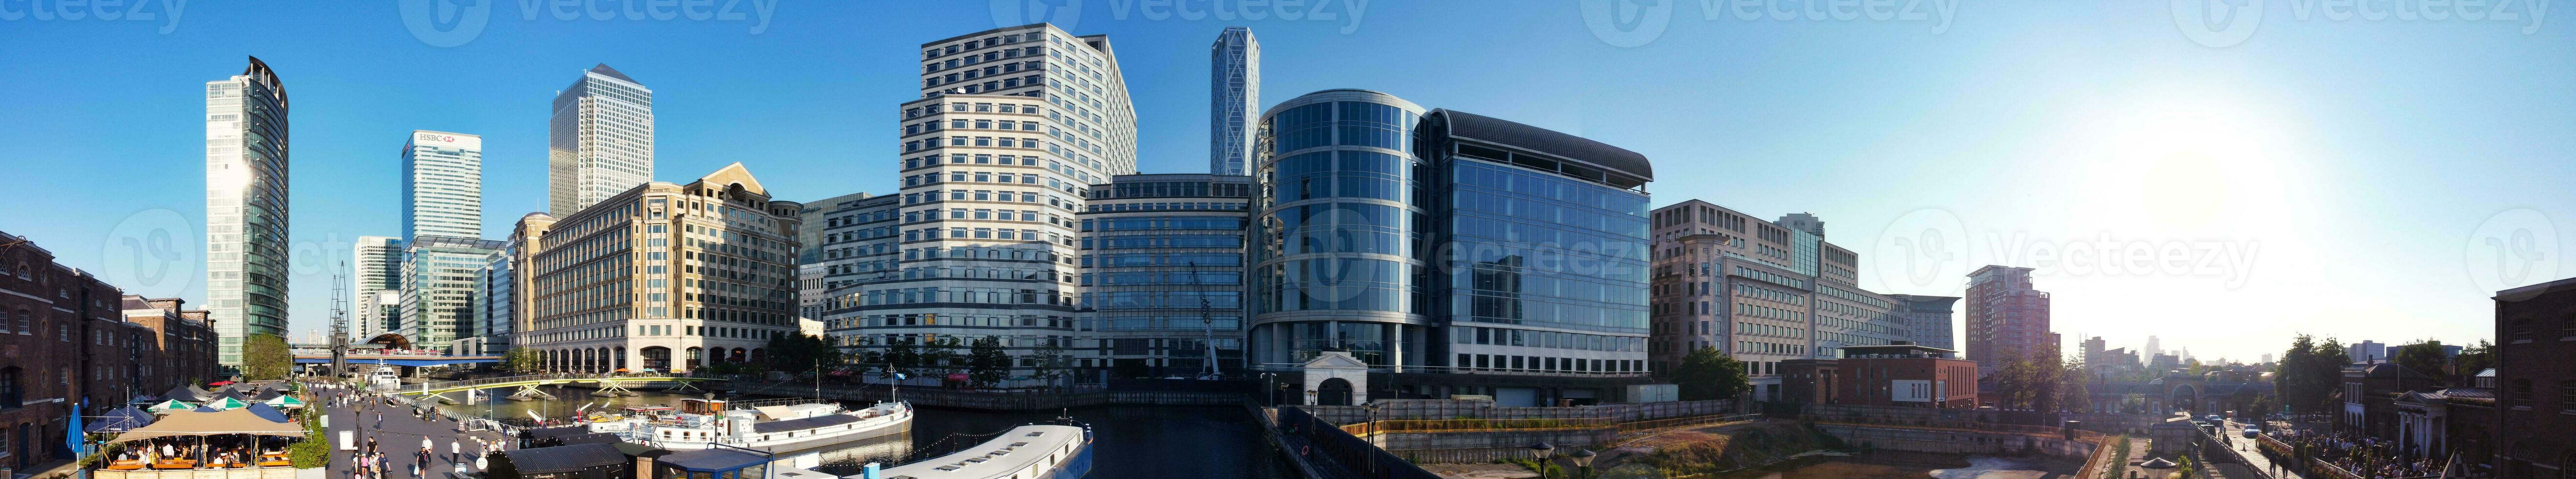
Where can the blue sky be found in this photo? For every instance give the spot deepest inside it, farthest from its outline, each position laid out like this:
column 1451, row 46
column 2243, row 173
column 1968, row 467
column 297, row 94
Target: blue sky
column 2339, row 176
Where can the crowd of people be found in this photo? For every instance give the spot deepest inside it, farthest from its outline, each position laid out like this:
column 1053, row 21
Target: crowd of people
column 2361, row 456
column 215, row 451
column 370, row 462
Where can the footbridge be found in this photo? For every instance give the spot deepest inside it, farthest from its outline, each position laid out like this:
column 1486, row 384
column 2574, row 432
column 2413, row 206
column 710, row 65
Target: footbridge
column 606, row 382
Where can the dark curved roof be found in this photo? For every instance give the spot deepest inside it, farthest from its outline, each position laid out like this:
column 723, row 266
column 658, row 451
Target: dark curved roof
column 565, row 458
column 804, row 424
column 1542, row 140
column 603, row 69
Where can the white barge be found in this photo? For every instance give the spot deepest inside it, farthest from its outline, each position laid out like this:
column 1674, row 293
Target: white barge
column 1025, row 452
column 699, row 423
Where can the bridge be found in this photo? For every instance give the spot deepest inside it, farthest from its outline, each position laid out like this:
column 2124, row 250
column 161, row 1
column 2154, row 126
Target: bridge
column 605, row 382
column 389, row 357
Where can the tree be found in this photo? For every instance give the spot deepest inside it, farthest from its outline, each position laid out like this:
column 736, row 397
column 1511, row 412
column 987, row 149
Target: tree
column 1048, row 362
column 2311, row 374
column 986, row 364
column 265, row 357
column 2424, row 357
column 800, row 352
column 2072, row 392
column 2475, row 359
column 902, row 357
column 521, row 361
column 940, row 358
column 1710, row 374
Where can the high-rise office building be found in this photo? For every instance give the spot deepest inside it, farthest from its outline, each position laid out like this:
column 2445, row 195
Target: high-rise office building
column 2007, row 320
column 599, row 142
column 1534, row 291
column 438, row 289
column 2153, row 348
column 246, row 208
column 376, row 265
column 1162, row 274
column 1928, row 319
column 495, row 288
column 1234, row 100
column 1763, row 292
column 1014, row 124
column 827, row 237
column 662, row 277
column 442, row 185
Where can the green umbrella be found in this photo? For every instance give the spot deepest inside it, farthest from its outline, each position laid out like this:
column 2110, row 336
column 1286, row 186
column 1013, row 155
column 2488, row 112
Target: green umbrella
column 226, row 403
column 172, row 405
column 285, row 401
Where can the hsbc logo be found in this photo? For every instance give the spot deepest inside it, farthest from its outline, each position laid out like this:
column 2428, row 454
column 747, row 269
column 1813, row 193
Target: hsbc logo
column 437, row 138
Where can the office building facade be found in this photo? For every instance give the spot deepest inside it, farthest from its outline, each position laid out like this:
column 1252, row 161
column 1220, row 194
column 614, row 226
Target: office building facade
column 2007, row 320
column 1928, row 320
column 1340, row 255
column 1234, row 100
column 599, row 143
column 835, row 245
column 1162, row 275
column 442, row 185
column 1014, row 125
column 1763, row 292
column 665, row 277
column 438, row 300
column 246, row 208
column 376, row 267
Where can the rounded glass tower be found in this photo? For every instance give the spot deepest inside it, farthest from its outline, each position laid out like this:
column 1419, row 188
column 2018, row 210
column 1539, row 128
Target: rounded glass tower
column 1340, row 259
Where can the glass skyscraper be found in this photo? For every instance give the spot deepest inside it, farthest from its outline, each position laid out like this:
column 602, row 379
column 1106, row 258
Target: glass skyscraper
column 378, row 267
column 1339, row 232
column 1234, row 100
column 600, row 141
column 246, row 209
column 442, row 185
column 1162, row 273
column 438, row 288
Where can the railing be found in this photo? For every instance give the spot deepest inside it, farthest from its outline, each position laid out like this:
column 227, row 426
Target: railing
column 1461, row 370
column 2101, row 460
column 1941, row 424
column 1429, row 425
column 513, row 379
column 1633, row 427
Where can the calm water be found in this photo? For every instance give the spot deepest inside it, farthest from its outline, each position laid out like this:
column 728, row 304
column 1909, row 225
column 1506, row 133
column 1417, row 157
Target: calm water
column 1133, row 441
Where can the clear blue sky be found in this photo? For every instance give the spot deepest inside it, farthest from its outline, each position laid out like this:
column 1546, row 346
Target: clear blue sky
column 2361, row 165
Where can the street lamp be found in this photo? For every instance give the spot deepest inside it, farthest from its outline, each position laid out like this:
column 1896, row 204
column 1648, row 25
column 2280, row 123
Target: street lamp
column 1582, row 459
column 1542, row 451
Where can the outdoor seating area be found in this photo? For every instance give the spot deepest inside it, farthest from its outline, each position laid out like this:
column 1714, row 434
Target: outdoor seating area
column 191, row 443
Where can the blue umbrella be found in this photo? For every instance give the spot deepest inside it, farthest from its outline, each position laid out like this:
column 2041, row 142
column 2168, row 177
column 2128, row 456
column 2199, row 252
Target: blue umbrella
column 76, row 441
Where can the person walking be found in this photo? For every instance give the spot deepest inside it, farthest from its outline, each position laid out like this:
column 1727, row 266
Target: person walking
column 455, row 453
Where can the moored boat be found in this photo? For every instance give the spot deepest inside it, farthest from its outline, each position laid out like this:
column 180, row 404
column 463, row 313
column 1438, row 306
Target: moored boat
column 1025, row 452
column 699, row 423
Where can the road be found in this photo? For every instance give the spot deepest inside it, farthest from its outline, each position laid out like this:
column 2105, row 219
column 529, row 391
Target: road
column 398, row 436
column 2253, row 454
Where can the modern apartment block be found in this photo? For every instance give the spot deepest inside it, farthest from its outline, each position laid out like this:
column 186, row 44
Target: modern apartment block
column 833, row 245
column 665, row 277
column 1162, row 275
column 375, row 267
column 438, row 290
column 599, row 142
column 1763, row 292
column 442, row 185
column 1928, row 320
column 1523, row 278
column 246, row 207
column 2007, row 320
column 1013, row 127
column 1234, row 100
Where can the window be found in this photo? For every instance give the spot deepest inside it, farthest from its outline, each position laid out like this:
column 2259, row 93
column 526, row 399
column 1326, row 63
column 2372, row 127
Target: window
column 2567, row 395
column 2521, row 331
column 2567, row 327
column 2520, row 394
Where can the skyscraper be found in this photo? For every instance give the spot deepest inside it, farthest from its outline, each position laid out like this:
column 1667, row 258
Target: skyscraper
column 1234, row 99
column 442, row 185
column 1768, row 293
column 600, row 141
column 438, row 299
column 1162, row 273
column 2007, row 320
column 1013, row 125
column 377, row 266
column 246, row 209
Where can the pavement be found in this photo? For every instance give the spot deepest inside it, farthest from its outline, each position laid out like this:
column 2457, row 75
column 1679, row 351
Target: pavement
column 398, row 436
column 2254, row 459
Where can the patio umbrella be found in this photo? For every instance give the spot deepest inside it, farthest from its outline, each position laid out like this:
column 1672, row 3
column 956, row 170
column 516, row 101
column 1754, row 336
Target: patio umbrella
column 226, row 403
column 219, row 383
column 172, row 405
column 75, row 442
column 266, row 412
column 184, row 393
column 207, row 408
column 285, row 402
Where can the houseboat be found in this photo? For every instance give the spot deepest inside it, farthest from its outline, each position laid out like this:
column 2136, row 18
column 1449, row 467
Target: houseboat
column 699, row 423
column 1026, row 452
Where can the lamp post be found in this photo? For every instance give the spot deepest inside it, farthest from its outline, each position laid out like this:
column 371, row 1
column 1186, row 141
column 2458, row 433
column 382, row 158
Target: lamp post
column 1542, row 451
column 1582, row 459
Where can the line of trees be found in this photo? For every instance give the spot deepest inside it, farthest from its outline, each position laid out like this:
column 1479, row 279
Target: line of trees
column 2040, row 383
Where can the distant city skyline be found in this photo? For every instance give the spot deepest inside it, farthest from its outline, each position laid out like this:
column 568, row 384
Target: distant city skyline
column 2264, row 187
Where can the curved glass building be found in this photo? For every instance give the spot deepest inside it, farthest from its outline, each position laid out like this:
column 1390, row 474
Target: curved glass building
column 1339, row 231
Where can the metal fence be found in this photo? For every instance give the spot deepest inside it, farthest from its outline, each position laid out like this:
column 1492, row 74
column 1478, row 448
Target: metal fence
column 1329, row 447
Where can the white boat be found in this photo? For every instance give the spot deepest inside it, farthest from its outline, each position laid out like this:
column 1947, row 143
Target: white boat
column 701, row 422
column 1026, row 452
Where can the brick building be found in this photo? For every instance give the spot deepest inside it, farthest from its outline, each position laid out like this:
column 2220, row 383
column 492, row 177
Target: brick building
column 69, row 338
column 2535, row 349
column 1891, row 375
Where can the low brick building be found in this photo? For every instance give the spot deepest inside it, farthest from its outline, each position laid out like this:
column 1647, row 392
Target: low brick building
column 67, row 338
column 1890, row 375
column 2535, row 349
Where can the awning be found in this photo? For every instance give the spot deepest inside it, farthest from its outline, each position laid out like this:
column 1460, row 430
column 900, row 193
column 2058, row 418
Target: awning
column 120, row 420
column 237, row 421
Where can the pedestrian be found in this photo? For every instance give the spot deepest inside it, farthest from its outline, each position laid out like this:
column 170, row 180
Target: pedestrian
column 454, row 451
column 380, row 419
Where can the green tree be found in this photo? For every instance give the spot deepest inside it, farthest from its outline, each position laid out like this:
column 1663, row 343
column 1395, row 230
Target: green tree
column 800, row 352
column 265, row 357
column 902, row 357
column 939, row 358
column 521, row 361
column 2311, row 373
column 1048, row 362
column 2424, row 357
column 2073, row 393
column 2474, row 359
column 1710, row 374
column 986, row 364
